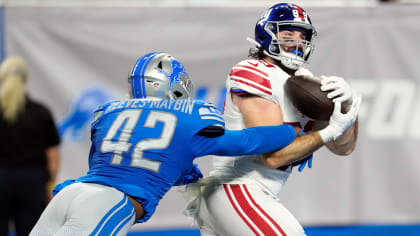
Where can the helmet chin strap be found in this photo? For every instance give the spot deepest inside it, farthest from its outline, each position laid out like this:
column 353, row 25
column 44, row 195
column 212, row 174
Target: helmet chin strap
column 284, row 59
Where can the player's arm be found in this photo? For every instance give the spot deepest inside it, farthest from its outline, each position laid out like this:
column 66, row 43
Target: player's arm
column 343, row 145
column 258, row 111
column 253, row 140
column 339, row 90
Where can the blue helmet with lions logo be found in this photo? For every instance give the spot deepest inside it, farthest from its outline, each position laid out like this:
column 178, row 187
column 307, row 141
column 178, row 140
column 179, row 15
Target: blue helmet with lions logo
column 285, row 16
column 159, row 75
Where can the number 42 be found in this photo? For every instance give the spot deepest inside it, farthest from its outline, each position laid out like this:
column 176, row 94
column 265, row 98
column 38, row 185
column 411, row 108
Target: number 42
column 131, row 117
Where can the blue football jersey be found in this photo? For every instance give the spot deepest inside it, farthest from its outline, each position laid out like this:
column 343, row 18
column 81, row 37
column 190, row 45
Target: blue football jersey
column 142, row 146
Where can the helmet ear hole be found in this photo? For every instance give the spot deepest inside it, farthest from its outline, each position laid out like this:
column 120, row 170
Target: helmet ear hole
column 160, row 65
column 178, row 94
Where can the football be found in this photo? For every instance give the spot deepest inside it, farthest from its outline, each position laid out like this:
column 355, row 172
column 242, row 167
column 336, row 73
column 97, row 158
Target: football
column 306, row 95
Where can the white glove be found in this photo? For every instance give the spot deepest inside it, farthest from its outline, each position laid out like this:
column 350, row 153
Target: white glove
column 339, row 89
column 340, row 122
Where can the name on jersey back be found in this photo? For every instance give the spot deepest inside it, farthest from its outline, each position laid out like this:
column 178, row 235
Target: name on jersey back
column 185, row 105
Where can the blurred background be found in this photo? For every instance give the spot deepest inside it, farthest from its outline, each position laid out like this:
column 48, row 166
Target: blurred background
column 79, row 54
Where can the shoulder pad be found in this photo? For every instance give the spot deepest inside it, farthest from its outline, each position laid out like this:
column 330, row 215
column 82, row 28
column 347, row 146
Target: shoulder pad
column 99, row 111
column 207, row 111
column 208, row 121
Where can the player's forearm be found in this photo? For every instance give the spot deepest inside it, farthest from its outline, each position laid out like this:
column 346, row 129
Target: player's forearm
column 345, row 144
column 53, row 162
column 263, row 139
column 300, row 148
column 253, row 140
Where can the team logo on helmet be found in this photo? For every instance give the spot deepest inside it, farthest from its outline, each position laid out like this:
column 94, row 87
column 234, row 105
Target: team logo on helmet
column 177, row 71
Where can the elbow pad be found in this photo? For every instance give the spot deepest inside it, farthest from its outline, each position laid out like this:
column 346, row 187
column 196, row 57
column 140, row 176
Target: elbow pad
column 212, row 131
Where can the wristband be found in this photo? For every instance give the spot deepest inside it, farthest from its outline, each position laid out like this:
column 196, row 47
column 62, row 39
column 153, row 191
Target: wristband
column 328, row 134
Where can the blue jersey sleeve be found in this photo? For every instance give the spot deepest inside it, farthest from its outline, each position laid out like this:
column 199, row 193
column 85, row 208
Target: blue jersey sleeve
column 209, row 121
column 254, row 140
column 97, row 114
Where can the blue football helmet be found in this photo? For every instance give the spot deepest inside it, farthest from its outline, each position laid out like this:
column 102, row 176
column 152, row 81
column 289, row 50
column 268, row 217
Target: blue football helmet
column 159, row 75
column 285, row 16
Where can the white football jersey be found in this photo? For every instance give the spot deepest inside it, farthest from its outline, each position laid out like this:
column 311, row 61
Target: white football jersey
column 266, row 80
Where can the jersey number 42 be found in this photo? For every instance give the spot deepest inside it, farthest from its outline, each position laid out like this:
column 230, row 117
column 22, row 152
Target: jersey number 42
column 130, row 119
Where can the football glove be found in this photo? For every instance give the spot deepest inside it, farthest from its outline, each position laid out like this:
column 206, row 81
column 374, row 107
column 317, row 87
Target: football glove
column 339, row 89
column 340, row 122
column 190, row 176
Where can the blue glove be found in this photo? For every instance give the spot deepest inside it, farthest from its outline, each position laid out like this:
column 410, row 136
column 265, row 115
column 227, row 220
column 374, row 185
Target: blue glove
column 190, row 177
column 302, row 163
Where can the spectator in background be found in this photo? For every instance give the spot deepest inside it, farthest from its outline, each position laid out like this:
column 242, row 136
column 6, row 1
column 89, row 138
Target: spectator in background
column 29, row 157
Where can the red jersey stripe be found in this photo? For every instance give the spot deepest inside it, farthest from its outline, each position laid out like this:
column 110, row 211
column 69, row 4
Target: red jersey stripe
column 251, row 85
column 264, row 213
column 252, row 68
column 237, row 210
column 250, row 211
column 248, row 75
column 296, row 124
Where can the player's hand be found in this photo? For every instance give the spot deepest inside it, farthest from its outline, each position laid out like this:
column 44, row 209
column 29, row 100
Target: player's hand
column 302, row 163
column 190, row 176
column 339, row 89
column 340, row 122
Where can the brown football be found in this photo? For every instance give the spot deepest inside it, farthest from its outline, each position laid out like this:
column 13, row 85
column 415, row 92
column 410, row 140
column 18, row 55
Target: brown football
column 307, row 97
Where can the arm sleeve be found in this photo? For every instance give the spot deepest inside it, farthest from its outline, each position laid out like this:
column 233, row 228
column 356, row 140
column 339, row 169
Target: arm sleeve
column 254, row 140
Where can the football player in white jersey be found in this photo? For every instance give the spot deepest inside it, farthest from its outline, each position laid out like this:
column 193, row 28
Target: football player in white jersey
column 240, row 196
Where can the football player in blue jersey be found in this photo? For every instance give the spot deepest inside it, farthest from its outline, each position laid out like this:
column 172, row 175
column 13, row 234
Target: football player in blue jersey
column 143, row 146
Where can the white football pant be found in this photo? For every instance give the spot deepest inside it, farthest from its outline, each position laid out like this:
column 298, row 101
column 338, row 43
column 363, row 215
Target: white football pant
column 244, row 209
column 86, row 209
